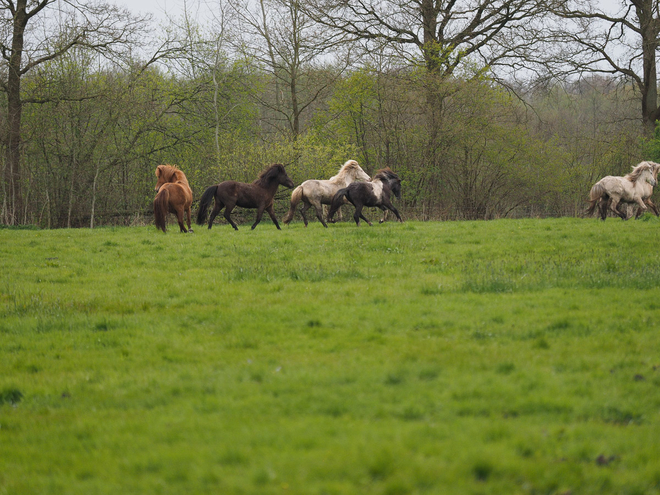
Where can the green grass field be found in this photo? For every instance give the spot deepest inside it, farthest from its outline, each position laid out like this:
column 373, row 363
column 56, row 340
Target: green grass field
column 502, row 357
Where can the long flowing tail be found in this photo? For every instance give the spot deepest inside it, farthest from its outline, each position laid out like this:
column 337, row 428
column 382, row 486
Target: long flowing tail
column 161, row 208
column 296, row 197
column 597, row 192
column 204, row 203
column 337, row 201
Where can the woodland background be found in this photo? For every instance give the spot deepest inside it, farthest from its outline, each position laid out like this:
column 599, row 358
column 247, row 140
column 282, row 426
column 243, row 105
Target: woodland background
column 485, row 108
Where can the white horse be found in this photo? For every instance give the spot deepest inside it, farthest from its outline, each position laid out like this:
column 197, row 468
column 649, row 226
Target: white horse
column 320, row 192
column 636, row 187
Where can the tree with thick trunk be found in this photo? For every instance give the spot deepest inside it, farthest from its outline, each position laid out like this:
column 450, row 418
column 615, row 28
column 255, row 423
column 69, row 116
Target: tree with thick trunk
column 101, row 27
column 593, row 37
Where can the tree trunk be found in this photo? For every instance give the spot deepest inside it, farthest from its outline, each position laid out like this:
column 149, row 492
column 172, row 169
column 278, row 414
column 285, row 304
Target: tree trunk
column 13, row 176
column 649, row 31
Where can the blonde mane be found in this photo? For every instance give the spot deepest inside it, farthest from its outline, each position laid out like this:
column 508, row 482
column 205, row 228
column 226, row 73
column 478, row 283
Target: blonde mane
column 639, row 169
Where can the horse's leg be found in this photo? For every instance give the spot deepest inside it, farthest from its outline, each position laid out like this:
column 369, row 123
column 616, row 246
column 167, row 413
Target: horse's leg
column 260, row 213
column 188, row 217
column 318, row 207
column 305, row 207
column 614, row 207
column 602, row 207
column 366, row 219
column 358, row 214
column 179, row 218
column 227, row 216
column 653, row 207
column 385, row 210
column 388, row 204
column 642, row 207
column 270, row 211
column 216, row 209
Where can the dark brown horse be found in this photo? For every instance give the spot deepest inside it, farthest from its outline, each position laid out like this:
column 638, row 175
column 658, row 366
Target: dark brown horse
column 374, row 193
column 259, row 195
column 173, row 196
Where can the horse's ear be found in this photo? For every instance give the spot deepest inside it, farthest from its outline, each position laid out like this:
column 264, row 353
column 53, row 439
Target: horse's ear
column 159, row 171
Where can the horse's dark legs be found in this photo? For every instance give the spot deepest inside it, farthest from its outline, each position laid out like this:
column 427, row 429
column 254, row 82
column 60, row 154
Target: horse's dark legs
column 304, row 209
column 260, row 212
column 270, row 211
column 216, row 209
column 602, row 207
column 227, row 216
column 358, row 214
column 388, row 204
column 385, row 210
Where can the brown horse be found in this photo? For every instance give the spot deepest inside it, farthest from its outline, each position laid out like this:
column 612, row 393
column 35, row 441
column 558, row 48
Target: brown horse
column 259, row 194
column 173, row 196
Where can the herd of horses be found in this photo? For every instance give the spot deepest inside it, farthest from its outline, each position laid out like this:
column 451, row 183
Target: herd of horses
column 350, row 185
column 353, row 185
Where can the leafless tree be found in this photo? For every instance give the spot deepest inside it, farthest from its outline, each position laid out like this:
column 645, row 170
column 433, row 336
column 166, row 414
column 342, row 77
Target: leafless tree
column 444, row 34
column 34, row 32
column 619, row 38
column 281, row 37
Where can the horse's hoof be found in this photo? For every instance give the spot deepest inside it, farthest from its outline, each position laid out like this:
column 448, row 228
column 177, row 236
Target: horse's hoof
column 191, row 231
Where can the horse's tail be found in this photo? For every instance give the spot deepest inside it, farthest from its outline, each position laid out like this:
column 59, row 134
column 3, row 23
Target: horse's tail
column 597, row 192
column 337, row 201
column 296, row 197
column 161, row 208
column 204, row 203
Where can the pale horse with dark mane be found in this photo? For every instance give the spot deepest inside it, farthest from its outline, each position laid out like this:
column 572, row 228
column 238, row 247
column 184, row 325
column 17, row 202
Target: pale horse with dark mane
column 320, row 192
column 375, row 193
column 636, row 187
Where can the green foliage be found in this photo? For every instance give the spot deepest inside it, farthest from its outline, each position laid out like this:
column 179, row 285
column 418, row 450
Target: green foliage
column 458, row 357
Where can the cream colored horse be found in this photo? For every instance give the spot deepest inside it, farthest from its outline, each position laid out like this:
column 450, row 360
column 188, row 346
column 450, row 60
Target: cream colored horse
column 636, row 187
column 320, row 192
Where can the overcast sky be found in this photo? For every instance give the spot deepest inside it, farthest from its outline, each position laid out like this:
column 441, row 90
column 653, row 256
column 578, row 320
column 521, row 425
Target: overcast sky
column 159, row 8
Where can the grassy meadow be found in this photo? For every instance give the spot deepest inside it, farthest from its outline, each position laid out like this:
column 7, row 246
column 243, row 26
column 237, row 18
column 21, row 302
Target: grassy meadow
column 501, row 357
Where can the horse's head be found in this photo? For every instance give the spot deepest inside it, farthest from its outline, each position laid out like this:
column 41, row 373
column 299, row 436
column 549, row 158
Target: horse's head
column 165, row 174
column 276, row 173
column 354, row 170
column 647, row 172
column 284, row 179
column 391, row 179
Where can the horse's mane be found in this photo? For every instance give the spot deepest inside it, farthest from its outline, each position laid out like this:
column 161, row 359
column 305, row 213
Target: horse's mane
column 639, row 169
column 386, row 174
column 349, row 165
column 171, row 173
column 269, row 174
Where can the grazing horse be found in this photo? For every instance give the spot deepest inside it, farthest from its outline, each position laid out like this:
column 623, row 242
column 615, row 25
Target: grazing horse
column 173, row 196
column 636, row 187
column 374, row 193
column 259, row 194
column 320, row 192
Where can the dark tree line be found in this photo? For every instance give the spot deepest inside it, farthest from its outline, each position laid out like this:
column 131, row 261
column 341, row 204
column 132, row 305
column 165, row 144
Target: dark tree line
column 486, row 108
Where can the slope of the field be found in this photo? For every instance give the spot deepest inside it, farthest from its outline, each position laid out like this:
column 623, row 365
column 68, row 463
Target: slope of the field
column 512, row 356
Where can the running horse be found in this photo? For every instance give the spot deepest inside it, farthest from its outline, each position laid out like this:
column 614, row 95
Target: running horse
column 636, row 187
column 173, row 196
column 317, row 193
column 374, row 193
column 259, row 194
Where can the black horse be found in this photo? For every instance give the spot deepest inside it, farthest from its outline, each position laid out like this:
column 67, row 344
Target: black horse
column 259, row 194
column 374, row 193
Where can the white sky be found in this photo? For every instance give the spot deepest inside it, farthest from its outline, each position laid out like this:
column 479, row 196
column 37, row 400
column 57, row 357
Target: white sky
column 161, row 9
column 200, row 8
